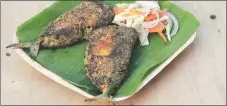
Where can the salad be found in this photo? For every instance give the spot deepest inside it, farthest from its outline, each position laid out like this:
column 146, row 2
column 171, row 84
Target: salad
column 146, row 17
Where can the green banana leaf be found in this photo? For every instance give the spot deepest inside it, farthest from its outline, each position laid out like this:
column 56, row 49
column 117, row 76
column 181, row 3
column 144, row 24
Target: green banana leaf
column 68, row 62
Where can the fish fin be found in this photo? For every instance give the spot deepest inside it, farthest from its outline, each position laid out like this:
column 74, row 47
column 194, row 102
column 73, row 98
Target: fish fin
column 103, row 97
column 20, row 45
column 34, row 50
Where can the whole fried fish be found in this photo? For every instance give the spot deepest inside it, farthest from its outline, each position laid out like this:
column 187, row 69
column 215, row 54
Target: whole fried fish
column 108, row 53
column 70, row 27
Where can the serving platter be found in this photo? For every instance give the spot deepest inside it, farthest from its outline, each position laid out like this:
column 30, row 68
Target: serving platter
column 146, row 63
column 61, row 81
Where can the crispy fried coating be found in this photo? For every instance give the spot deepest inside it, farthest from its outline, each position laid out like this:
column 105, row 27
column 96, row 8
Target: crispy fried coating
column 70, row 27
column 108, row 54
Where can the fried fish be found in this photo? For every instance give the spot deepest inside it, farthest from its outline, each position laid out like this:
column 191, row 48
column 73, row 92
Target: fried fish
column 71, row 27
column 107, row 57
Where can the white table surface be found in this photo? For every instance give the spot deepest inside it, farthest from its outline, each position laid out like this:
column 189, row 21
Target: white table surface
column 196, row 76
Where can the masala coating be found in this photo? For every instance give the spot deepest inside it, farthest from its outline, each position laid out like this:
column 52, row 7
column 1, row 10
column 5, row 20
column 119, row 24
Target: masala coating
column 108, row 53
column 70, row 27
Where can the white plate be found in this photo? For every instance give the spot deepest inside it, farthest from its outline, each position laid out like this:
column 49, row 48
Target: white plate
column 61, row 81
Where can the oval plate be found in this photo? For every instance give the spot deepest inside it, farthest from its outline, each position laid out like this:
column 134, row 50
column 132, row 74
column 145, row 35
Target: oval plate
column 61, row 81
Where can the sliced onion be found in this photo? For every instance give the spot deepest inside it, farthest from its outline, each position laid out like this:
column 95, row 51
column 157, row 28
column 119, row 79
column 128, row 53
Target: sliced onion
column 170, row 22
column 149, row 4
column 143, row 37
column 152, row 23
column 146, row 11
column 149, row 24
column 137, row 22
column 129, row 23
column 175, row 23
column 133, row 6
column 168, row 32
column 157, row 21
column 168, row 28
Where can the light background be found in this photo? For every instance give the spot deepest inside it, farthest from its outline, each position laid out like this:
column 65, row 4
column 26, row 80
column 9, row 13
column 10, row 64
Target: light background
column 196, row 76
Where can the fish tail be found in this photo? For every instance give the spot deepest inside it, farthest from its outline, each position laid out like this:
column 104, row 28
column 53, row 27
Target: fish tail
column 103, row 96
column 20, row 45
column 33, row 46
